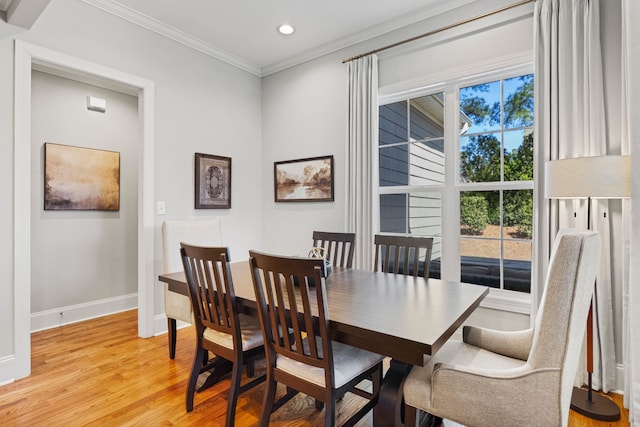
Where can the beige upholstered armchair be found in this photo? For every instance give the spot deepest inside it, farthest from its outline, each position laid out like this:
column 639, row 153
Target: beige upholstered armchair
column 524, row 378
column 204, row 232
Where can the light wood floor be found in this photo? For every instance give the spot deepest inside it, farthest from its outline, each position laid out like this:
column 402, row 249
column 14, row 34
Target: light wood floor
column 100, row 373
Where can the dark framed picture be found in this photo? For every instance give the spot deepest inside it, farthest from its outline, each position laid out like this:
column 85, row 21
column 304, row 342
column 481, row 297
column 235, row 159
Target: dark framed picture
column 304, row 180
column 77, row 178
column 212, row 182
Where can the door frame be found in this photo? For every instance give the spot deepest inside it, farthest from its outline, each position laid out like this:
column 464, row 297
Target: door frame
column 27, row 58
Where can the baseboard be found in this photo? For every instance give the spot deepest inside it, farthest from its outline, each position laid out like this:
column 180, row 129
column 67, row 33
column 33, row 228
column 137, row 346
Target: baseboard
column 7, row 370
column 77, row 313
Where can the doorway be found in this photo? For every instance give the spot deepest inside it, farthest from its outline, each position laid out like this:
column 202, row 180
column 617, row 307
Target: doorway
column 30, row 57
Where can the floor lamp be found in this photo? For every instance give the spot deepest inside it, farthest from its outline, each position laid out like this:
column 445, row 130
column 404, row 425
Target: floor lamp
column 598, row 177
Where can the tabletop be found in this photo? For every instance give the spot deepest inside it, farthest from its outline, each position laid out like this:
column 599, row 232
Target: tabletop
column 403, row 317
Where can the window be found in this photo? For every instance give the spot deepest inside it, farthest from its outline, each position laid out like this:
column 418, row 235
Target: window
column 478, row 176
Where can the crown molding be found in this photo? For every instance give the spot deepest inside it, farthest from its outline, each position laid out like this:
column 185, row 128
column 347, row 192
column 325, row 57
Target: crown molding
column 380, row 29
column 174, row 34
column 151, row 24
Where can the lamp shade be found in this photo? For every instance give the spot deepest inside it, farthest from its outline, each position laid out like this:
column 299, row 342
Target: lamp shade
column 604, row 177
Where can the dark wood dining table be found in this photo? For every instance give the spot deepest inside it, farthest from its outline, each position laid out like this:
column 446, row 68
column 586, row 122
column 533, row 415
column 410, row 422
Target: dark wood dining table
column 399, row 316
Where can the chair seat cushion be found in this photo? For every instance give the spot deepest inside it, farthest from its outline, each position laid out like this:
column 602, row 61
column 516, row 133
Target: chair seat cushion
column 177, row 306
column 348, row 363
column 251, row 334
column 417, row 386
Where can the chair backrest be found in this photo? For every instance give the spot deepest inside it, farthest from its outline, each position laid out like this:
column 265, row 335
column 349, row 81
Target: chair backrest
column 403, row 255
column 211, row 288
column 562, row 317
column 290, row 292
column 196, row 231
column 339, row 247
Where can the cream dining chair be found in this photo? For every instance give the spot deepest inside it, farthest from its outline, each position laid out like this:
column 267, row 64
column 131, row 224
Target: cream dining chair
column 516, row 378
column 195, row 231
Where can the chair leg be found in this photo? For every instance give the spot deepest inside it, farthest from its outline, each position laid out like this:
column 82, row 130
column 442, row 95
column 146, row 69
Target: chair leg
column 171, row 328
column 250, row 367
column 267, row 402
column 193, row 378
column 330, row 412
column 236, row 374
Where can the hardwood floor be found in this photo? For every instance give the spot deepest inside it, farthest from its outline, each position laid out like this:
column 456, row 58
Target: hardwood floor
column 100, row 373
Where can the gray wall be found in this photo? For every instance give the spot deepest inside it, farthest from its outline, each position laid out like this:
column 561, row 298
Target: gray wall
column 201, row 105
column 82, row 256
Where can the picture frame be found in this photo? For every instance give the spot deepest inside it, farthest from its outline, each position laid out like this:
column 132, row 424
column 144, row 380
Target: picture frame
column 79, row 178
column 212, row 181
column 304, row 180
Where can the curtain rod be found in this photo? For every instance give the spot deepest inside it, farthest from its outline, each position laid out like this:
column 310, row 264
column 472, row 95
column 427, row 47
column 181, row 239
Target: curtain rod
column 446, row 27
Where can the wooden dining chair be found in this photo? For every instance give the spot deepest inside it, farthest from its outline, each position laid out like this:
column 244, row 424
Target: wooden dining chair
column 339, row 247
column 410, row 256
column 233, row 337
column 291, row 296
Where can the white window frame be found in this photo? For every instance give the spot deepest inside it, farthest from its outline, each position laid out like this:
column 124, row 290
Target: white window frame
column 450, row 190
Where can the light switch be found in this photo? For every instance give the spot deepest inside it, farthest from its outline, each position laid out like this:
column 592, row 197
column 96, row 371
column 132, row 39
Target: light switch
column 161, row 208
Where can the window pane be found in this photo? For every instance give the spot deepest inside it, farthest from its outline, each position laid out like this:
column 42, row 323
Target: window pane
column 480, row 107
column 518, row 102
column 480, row 158
column 518, row 214
column 393, row 213
column 393, row 123
column 427, row 117
column 518, row 152
column 480, row 261
column 425, row 213
column 480, row 213
column 427, row 162
column 394, row 165
column 517, row 266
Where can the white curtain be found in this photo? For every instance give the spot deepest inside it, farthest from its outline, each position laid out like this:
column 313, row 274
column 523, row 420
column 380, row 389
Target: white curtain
column 362, row 160
column 630, row 142
column 570, row 122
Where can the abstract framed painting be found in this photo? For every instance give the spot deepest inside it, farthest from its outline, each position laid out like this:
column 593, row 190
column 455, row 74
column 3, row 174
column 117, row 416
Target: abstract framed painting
column 304, row 180
column 212, row 182
column 77, row 178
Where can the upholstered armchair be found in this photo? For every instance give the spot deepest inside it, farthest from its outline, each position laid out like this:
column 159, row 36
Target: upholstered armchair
column 524, row 378
column 205, row 232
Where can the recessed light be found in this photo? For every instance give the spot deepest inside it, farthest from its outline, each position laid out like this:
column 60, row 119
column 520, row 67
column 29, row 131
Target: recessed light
column 286, row 29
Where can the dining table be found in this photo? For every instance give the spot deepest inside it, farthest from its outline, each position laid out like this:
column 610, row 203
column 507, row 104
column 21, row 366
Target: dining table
column 403, row 317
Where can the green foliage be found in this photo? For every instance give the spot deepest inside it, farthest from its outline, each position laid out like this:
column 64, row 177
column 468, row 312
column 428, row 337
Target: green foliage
column 518, row 164
column 474, row 213
column 518, row 107
column 518, row 211
column 480, row 156
column 480, row 159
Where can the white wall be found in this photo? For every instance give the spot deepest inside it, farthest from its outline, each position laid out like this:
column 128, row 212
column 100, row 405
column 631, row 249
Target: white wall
column 82, row 256
column 202, row 105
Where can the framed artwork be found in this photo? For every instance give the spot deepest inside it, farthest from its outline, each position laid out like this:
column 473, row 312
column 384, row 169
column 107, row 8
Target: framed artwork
column 304, row 180
column 213, row 182
column 77, row 178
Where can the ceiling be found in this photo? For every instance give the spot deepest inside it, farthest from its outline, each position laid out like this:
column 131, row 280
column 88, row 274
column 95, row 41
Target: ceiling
column 244, row 32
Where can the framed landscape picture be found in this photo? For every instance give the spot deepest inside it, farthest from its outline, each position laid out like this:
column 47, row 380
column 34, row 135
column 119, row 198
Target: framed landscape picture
column 212, row 182
column 77, row 178
column 304, row 180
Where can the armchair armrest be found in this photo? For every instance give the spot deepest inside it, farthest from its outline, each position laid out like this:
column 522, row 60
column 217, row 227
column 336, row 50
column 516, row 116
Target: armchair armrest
column 516, row 344
column 510, row 392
